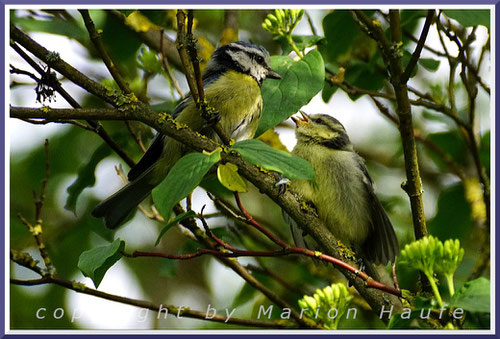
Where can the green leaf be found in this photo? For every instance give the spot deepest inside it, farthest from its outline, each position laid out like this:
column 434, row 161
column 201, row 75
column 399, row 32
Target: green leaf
column 452, row 143
column 429, row 63
column 301, row 81
column 55, row 25
column 211, row 184
column 246, row 294
column 182, row 179
column 365, row 75
column 452, row 209
column 261, row 154
column 301, row 41
column 340, row 33
column 96, row 262
column 86, row 177
column 149, row 62
column 470, row 17
column 174, row 222
column 328, row 91
column 228, row 176
column 473, row 296
column 169, row 268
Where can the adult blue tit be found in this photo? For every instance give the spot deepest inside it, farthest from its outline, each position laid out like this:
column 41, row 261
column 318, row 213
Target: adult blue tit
column 343, row 192
column 232, row 81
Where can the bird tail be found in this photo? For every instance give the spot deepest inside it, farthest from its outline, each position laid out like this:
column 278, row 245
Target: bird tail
column 118, row 206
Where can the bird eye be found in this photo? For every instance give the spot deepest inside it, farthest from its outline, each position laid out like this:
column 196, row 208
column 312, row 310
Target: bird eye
column 259, row 59
column 319, row 121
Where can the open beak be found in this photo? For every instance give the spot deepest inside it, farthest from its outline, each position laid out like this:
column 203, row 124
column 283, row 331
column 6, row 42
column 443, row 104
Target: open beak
column 304, row 119
column 273, row 74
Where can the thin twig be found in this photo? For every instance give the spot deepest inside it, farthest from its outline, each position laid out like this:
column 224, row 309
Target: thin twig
column 14, row 70
column 95, row 37
column 36, row 230
column 420, row 45
column 191, row 225
column 311, row 24
column 177, row 311
column 255, row 224
column 98, row 128
column 135, row 135
column 170, row 75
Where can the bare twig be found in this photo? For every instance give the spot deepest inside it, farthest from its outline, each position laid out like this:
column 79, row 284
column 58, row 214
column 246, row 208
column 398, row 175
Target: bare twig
column 98, row 129
column 14, row 70
column 420, row 45
column 95, row 37
column 36, row 230
column 170, row 75
column 311, row 24
column 211, row 249
column 179, row 312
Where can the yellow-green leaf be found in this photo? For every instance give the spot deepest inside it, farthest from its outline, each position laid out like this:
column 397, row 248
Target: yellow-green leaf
column 140, row 23
column 229, row 178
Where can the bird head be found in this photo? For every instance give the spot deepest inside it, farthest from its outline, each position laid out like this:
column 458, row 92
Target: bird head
column 321, row 129
column 242, row 57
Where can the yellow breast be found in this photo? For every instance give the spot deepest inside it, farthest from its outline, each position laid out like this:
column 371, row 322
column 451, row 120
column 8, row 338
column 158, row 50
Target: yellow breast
column 237, row 98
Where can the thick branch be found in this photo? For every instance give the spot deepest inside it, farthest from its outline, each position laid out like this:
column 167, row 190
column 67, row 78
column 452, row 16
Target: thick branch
column 392, row 56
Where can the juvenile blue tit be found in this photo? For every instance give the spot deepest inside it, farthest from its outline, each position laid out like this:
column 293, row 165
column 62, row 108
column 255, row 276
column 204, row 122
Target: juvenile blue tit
column 343, row 192
column 231, row 80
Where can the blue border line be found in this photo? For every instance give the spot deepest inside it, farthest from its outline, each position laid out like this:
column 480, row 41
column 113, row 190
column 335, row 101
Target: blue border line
column 218, row 2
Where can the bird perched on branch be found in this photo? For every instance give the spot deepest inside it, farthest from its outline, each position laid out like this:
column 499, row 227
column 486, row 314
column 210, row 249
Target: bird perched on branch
column 342, row 193
column 231, row 80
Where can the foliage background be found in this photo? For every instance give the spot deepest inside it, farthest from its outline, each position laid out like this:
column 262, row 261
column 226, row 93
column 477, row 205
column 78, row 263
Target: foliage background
column 197, row 283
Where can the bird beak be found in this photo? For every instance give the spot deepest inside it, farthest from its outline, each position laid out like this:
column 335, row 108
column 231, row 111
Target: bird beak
column 304, row 119
column 273, row 74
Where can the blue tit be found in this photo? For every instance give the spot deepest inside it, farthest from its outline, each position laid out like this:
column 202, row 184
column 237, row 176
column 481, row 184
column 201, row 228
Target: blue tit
column 232, row 83
column 342, row 193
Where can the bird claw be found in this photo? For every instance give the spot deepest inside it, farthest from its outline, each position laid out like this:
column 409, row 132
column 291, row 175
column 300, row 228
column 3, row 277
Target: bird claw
column 282, row 184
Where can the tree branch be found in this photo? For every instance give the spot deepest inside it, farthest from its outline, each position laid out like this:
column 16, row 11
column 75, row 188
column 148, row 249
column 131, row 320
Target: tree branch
column 175, row 310
column 392, row 54
column 95, row 37
column 420, row 45
column 94, row 125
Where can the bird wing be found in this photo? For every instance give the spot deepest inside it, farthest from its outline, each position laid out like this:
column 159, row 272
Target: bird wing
column 156, row 148
column 381, row 246
column 149, row 158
